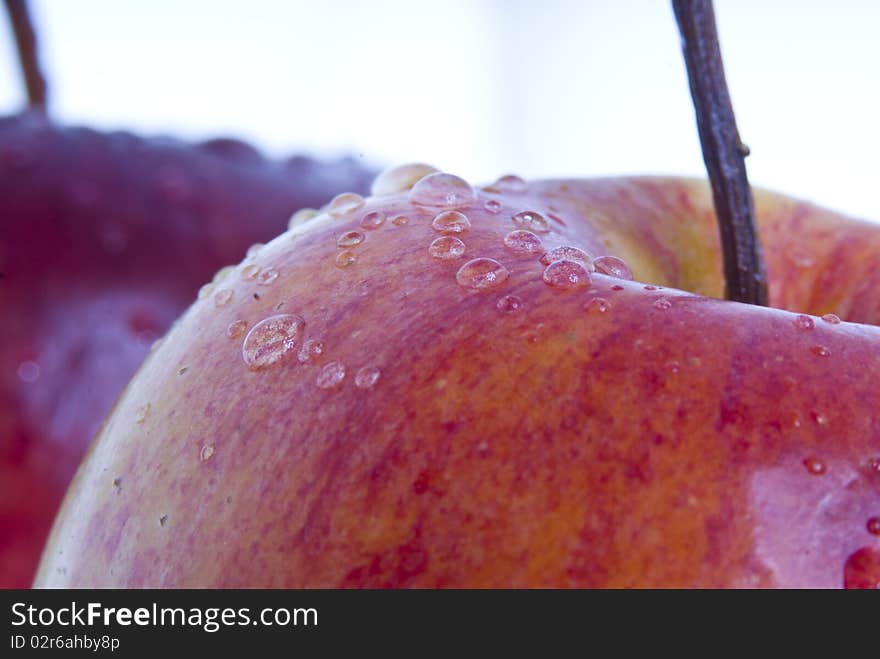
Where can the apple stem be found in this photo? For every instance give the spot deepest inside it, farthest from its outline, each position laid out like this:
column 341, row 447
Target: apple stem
column 26, row 41
column 723, row 152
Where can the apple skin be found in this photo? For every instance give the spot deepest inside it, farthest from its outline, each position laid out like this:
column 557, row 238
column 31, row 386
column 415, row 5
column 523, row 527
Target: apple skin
column 106, row 239
column 669, row 440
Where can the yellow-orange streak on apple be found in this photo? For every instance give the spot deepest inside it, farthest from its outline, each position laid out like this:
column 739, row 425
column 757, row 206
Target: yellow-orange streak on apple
column 555, row 445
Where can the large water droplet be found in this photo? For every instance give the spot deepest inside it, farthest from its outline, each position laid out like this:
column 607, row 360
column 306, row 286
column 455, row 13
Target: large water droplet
column 268, row 276
column 815, row 466
column 301, row 216
column 820, row 351
column 401, row 178
column 311, row 350
column 344, row 203
column 569, row 253
column 236, row 328
column 565, row 274
column 367, row 377
column 250, row 271
column 345, row 258
column 862, row 569
column 271, row 339
column 372, row 220
column 222, row 297
column 613, row 266
column 331, row 376
column 350, row 239
column 509, row 304
column 482, row 274
column 446, row 247
column 525, row 242
column 532, row 221
column 831, row 318
column 451, row 222
column 443, row 190
column 803, row 322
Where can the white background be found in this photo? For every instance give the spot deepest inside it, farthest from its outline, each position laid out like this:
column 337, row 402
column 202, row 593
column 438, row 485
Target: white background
column 480, row 87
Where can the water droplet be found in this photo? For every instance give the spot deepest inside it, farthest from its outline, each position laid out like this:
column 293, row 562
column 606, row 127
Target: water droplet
column 182, row 370
column 526, row 242
column 507, row 183
column 509, row 303
column 301, row 217
column 617, row 287
column 367, row 377
column 222, row 273
column 372, row 220
column 804, row 322
column 820, row 351
column 481, row 273
column 451, row 222
column 446, row 247
column 206, row 453
column 441, row 189
column 205, row 291
column 649, row 287
column 311, row 350
column 569, row 253
column 350, row 239
column 831, row 318
column 222, row 297
column 250, row 271
column 268, row 276
column 331, row 376
column 532, row 221
column 566, row 274
column 347, row 202
column 862, row 569
column 399, row 220
column 254, row 250
column 493, row 206
column 873, row 526
column 401, row 178
column 28, row 372
column 141, row 413
column 662, row 303
column 613, row 266
column 599, row 304
column 163, row 520
column 271, row 339
column 345, row 258
column 236, row 328
column 815, row 466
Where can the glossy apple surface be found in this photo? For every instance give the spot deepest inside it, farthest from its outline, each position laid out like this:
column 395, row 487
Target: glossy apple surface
column 105, row 240
column 389, row 407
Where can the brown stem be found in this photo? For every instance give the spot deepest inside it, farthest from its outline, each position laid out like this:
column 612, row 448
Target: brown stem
column 723, row 152
column 26, row 41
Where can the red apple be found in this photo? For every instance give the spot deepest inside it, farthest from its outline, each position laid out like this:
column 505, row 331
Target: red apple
column 447, row 388
column 106, row 239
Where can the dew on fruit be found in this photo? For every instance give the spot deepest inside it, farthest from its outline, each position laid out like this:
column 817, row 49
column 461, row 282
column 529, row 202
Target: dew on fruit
column 350, row 239
column 250, row 272
column 815, row 466
column 372, row 220
column 803, row 322
column 862, row 569
column 206, row 452
column 662, row 303
column 531, row 221
column 451, row 222
column 222, row 297
column 400, row 178
column 254, row 250
column 493, row 206
column 873, row 525
column 205, row 291
column 399, row 220
column 565, row 274
column 311, row 350
column 524, row 242
column 345, row 203
column 599, row 304
column 301, row 216
column 509, row 304
column 331, row 376
column 222, row 273
column 507, row 183
column 617, row 287
column 446, row 247
column 831, row 319
column 345, row 258
column 28, row 372
column 481, row 274
column 271, row 339
column 236, row 328
column 367, row 377
column 649, row 287
column 613, row 266
column 442, row 190
column 567, row 252
column 820, row 351
column 142, row 413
